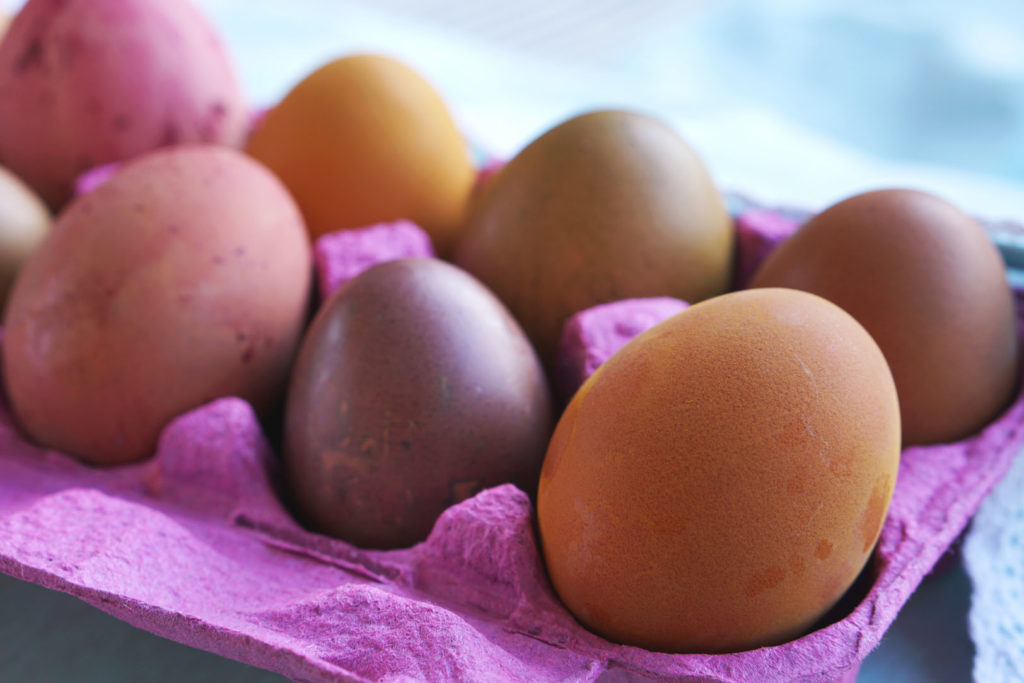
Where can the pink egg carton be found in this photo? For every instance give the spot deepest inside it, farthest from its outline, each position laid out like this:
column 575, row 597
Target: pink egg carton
column 94, row 177
column 590, row 337
column 341, row 255
column 194, row 545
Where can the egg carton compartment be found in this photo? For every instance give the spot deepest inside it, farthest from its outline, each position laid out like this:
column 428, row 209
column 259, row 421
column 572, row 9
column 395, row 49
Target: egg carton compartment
column 194, row 545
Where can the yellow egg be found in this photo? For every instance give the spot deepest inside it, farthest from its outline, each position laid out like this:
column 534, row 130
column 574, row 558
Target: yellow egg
column 24, row 221
column 366, row 139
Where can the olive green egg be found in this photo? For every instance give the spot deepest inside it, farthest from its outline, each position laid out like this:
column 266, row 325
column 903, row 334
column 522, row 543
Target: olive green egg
column 608, row 205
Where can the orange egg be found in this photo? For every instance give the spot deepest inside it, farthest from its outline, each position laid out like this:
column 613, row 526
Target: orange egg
column 366, row 139
column 925, row 280
column 719, row 483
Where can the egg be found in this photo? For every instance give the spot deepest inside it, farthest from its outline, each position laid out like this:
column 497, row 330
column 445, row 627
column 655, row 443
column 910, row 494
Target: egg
column 86, row 82
column 608, row 205
column 183, row 278
column 719, row 483
column 414, row 390
column 925, row 280
column 365, row 139
column 24, row 221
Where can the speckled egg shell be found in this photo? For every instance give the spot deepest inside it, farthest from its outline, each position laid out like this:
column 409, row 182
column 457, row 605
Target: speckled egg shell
column 719, row 483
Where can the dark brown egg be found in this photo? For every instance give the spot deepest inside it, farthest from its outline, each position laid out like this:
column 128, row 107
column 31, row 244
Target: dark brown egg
column 608, row 205
column 927, row 283
column 414, row 389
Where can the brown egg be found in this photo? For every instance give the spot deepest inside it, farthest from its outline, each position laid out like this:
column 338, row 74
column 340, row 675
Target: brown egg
column 183, row 278
column 608, row 205
column 414, row 390
column 24, row 221
column 719, row 483
column 365, row 139
column 924, row 279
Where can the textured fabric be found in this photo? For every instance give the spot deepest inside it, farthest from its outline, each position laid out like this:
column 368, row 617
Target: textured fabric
column 993, row 554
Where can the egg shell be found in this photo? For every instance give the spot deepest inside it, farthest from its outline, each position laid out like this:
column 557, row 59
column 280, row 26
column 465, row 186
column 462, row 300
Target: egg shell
column 365, row 139
column 592, row 336
column 414, row 389
column 89, row 180
column 343, row 254
column 488, row 171
column 24, row 222
column 217, row 564
column 205, row 295
column 86, row 82
column 608, row 205
column 719, row 483
column 929, row 285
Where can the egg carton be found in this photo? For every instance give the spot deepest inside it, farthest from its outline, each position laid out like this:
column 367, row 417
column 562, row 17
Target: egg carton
column 194, row 544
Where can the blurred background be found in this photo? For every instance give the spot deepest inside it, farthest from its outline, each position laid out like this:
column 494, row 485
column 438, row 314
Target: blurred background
column 794, row 102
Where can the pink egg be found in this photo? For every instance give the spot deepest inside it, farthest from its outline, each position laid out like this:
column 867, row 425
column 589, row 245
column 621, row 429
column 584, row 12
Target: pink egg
column 88, row 82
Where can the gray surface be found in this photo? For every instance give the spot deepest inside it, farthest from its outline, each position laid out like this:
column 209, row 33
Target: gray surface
column 49, row 637
column 929, row 642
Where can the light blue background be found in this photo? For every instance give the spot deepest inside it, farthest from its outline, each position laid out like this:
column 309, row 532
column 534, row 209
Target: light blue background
column 795, row 101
